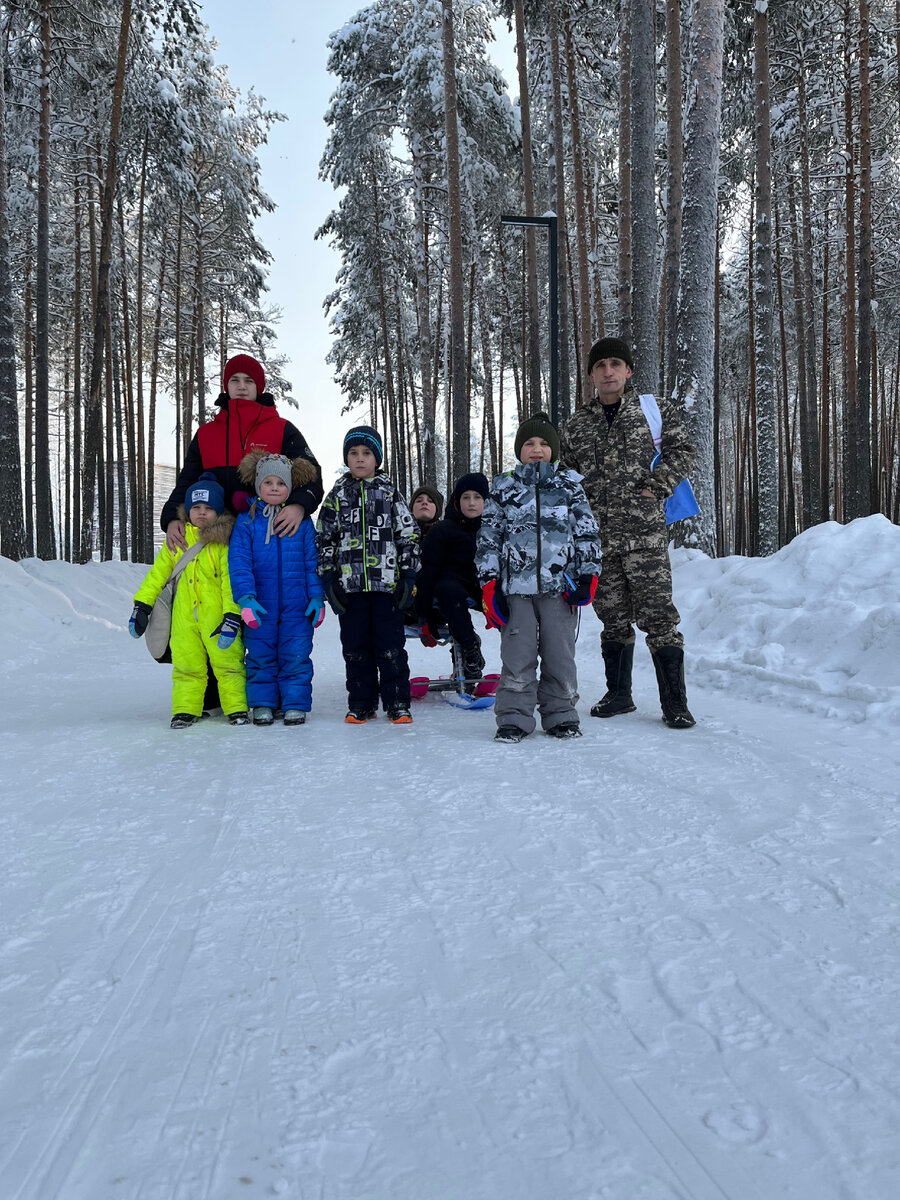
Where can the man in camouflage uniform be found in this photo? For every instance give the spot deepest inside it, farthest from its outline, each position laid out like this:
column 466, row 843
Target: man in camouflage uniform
column 608, row 440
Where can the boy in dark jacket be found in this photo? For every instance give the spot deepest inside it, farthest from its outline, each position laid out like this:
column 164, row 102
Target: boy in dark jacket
column 278, row 589
column 448, row 580
column 368, row 555
column 427, row 507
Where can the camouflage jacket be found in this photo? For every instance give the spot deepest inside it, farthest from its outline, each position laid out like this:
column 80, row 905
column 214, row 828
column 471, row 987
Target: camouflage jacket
column 536, row 529
column 366, row 533
column 615, row 462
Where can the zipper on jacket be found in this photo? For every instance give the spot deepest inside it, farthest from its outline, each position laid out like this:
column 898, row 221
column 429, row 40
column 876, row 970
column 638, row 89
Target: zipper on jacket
column 363, row 513
column 537, row 497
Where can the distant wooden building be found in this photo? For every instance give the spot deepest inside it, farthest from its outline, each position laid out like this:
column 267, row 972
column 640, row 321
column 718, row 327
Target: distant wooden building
column 163, row 481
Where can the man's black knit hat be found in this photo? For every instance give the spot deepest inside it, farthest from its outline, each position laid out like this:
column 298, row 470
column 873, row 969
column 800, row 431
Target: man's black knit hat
column 609, row 347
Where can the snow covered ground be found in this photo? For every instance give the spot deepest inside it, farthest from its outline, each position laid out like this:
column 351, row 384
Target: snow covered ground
column 389, row 963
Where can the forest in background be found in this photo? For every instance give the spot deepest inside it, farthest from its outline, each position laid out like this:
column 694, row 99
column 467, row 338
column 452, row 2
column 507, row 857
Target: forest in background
column 724, row 181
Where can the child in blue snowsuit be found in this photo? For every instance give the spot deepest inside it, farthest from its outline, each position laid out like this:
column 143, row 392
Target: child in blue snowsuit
column 277, row 586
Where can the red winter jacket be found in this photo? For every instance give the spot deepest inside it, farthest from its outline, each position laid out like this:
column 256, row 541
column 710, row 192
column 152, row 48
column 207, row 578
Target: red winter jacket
column 218, row 446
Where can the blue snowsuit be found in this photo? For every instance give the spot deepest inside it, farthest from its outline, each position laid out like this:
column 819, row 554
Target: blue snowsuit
column 281, row 573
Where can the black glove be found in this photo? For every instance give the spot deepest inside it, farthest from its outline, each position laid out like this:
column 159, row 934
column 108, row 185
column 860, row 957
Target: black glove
column 406, row 586
column 227, row 630
column 584, row 593
column 140, row 618
column 334, row 593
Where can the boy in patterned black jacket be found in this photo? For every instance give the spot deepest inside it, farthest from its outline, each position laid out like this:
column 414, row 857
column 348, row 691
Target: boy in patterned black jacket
column 368, row 555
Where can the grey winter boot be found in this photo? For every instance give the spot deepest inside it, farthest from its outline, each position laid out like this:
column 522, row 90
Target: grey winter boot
column 617, row 658
column 669, row 663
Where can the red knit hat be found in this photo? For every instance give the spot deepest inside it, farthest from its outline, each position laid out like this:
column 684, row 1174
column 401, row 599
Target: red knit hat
column 243, row 364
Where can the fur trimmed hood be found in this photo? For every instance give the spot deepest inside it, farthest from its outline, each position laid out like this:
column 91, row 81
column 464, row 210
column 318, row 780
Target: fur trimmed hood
column 303, row 471
column 219, row 531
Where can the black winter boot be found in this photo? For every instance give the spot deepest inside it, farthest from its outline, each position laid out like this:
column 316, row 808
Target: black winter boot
column 669, row 663
column 618, row 659
column 473, row 660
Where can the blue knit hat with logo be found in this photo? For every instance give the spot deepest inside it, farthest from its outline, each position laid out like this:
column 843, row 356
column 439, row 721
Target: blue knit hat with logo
column 364, row 435
column 207, row 490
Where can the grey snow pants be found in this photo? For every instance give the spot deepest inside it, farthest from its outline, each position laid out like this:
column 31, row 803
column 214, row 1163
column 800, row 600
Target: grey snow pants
column 542, row 627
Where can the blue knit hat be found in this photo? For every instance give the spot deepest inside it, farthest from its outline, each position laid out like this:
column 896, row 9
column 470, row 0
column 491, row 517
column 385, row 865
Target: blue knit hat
column 207, row 490
column 364, row 435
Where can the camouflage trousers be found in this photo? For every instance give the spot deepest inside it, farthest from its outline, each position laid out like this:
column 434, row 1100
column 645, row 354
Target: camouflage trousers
column 635, row 588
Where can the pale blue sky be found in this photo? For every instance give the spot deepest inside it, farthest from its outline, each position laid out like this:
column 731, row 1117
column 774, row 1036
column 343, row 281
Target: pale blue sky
column 279, row 48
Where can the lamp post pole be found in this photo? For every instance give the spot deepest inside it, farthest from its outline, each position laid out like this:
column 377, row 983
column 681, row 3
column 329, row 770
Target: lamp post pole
column 548, row 222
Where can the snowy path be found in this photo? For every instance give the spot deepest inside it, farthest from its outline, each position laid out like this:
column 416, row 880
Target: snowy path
column 408, row 964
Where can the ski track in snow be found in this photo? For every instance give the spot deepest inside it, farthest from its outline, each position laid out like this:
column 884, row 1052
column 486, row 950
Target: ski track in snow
column 409, row 964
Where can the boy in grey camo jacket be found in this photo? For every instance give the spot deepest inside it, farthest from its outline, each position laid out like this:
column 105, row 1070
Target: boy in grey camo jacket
column 538, row 559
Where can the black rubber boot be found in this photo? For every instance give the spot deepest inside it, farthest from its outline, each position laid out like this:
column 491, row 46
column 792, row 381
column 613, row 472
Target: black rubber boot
column 618, row 659
column 669, row 663
column 473, row 660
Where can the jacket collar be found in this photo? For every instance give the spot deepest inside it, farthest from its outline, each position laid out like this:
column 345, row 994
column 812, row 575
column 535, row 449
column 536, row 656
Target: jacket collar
column 226, row 402
column 535, row 473
column 596, row 405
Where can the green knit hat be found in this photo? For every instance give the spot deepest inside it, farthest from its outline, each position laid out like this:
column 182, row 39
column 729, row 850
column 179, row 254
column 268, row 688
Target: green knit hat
column 537, row 426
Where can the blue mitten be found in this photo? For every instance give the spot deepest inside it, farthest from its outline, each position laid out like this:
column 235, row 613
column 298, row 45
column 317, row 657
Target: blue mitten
column 140, row 617
column 315, row 610
column 252, row 611
column 227, row 630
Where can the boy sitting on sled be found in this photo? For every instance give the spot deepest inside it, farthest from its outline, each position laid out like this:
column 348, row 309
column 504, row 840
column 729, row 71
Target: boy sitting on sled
column 447, row 580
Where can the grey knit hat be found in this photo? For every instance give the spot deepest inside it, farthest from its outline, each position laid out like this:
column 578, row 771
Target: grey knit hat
column 537, row 426
column 274, row 464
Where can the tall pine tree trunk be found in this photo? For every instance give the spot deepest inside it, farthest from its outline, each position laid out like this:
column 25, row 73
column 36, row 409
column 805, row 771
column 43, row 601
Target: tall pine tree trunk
column 458, row 455
column 533, row 356
column 77, row 433
column 43, row 494
column 811, row 450
column 101, row 316
column 427, row 456
column 674, row 184
column 624, row 271
column 863, row 501
column 645, row 297
column 696, row 289
column 582, row 225
column 12, row 516
column 763, row 291
column 558, row 189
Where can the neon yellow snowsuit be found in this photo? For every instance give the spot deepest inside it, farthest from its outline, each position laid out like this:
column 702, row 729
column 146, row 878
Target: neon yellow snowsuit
column 202, row 598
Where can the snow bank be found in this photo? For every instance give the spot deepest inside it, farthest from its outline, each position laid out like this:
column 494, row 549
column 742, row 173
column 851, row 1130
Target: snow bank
column 815, row 626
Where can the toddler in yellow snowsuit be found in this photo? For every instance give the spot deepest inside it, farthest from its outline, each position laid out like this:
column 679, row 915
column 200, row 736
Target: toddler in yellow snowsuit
column 205, row 619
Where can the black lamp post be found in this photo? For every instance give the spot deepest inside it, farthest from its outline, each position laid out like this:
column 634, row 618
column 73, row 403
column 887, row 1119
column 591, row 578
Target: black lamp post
column 549, row 223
